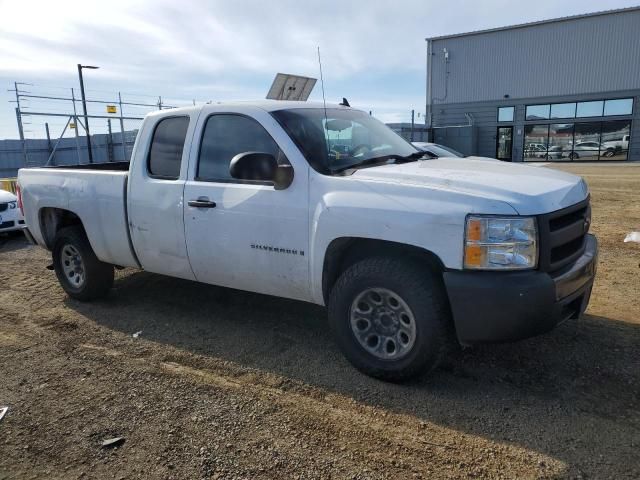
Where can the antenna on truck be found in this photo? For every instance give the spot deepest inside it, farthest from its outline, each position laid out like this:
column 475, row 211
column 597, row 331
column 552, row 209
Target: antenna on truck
column 324, row 101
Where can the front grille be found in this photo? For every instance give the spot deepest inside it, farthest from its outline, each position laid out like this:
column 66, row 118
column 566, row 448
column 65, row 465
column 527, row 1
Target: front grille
column 3, row 206
column 562, row 236
column 6, row 224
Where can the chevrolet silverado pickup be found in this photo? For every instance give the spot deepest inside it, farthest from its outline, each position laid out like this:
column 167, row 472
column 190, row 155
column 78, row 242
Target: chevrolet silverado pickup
column 327, row 205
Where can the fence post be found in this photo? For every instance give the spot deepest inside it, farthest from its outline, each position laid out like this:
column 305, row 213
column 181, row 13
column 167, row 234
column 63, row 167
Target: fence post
column 124, row 147
column 46, row 127
column 75, row 120
column 21, row 133
column 109, row 142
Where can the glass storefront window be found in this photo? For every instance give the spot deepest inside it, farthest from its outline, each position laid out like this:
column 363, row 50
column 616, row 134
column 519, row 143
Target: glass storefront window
column 577, row 141
column 536, row 139
column 590, row 109
column 586, row 141
column 563, row 110
column 621, row 106
column 505, row 114
column 560, row 141
column 615, row 140
column 537, row 112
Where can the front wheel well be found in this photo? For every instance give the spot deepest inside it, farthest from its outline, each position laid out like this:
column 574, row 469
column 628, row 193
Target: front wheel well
column 346, row 251
column 54, row 219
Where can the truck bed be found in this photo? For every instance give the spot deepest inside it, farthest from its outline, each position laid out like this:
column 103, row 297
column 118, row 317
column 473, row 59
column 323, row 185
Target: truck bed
column 115, row 166
column 96, row 193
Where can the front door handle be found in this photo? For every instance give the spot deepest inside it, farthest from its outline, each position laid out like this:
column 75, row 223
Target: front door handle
column 202, row 202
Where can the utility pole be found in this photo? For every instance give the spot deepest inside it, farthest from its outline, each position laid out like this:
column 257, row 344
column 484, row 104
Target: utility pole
column 412, row 123
column 84, row 108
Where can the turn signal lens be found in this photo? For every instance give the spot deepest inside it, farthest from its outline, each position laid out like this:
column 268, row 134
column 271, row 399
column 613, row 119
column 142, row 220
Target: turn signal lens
column 500, row 243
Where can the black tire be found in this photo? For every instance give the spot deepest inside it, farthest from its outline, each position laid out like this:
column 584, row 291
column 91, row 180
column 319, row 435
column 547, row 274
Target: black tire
column 420, row 289
column 98, row 276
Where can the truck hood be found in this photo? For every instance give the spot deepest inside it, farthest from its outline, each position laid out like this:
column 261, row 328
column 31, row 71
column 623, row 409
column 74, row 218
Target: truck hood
column 529, row 190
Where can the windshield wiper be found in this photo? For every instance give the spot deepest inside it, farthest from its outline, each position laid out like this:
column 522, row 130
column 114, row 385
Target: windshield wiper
column 373, row 161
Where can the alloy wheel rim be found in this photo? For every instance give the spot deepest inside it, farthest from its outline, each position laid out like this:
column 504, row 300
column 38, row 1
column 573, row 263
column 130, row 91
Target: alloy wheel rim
column 383, row 324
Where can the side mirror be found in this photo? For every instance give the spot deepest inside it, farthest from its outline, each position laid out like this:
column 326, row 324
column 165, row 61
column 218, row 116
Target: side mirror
column 261, row 166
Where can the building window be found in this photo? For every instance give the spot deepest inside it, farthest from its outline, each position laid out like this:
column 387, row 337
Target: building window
column 586, row 141
column 560, row 140
column 596, row 108
column 578, row 141
column 614, row 140
column 505, row 114
column 537, row 112
column 563, row 110
column 536, row 140
column 621, row 106
column 590, row 109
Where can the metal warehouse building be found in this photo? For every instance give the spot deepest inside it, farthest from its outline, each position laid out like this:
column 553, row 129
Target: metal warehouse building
column 566, row 89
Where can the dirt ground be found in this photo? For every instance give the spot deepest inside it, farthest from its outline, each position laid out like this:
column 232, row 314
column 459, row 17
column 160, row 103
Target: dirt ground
column 226, row 384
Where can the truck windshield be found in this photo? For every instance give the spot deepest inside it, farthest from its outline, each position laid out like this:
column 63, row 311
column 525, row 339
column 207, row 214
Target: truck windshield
column 343, row 139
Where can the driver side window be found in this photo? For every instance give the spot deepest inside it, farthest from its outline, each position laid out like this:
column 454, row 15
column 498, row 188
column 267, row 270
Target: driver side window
column 225, row 136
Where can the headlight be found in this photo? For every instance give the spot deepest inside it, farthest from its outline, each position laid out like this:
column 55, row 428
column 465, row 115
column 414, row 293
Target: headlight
column 12, row 205
column 500, row 243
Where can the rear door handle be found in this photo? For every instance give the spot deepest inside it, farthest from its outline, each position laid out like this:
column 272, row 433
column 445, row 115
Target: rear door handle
column 202, row 202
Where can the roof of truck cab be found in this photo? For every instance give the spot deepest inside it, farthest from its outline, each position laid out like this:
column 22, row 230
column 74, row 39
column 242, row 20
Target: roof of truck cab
column 268, row 105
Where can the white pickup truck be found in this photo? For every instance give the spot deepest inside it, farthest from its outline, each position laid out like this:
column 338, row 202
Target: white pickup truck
column 327, row 205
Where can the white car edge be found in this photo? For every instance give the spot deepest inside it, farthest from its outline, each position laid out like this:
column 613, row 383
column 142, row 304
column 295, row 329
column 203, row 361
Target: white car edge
column 10, row 217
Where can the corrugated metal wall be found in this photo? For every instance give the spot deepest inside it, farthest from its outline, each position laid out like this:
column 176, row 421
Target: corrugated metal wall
column 578, row 56
column 104, row 149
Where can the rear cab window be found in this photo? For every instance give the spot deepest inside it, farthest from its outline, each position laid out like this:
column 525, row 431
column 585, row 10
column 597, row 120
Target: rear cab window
column 167, row 144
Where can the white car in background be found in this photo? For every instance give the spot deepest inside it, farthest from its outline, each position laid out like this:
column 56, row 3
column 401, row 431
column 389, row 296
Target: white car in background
column 435, row 150
column 10, row 217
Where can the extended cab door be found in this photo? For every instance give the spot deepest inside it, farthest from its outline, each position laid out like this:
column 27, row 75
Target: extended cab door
column 245, row 234
column 155, row 193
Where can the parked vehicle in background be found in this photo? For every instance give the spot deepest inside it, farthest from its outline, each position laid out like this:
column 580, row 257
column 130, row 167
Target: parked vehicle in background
column 535, row 150
column 435, row 150
column 555, row 152
column 407, row 255
column 10, row 216
column 613, row 146
column 584, row 149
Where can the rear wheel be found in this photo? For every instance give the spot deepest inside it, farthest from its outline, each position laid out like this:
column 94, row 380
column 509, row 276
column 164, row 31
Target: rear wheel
column 389, row 318
column 79, row 271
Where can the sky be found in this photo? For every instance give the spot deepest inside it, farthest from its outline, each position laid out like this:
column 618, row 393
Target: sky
column 373, row 51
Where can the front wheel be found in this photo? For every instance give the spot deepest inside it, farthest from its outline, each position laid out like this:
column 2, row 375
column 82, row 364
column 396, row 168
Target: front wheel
column 79, row 271
column 389, row 318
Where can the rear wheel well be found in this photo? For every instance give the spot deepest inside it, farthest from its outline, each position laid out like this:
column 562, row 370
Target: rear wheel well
column 345, row 252
column 54, row 219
